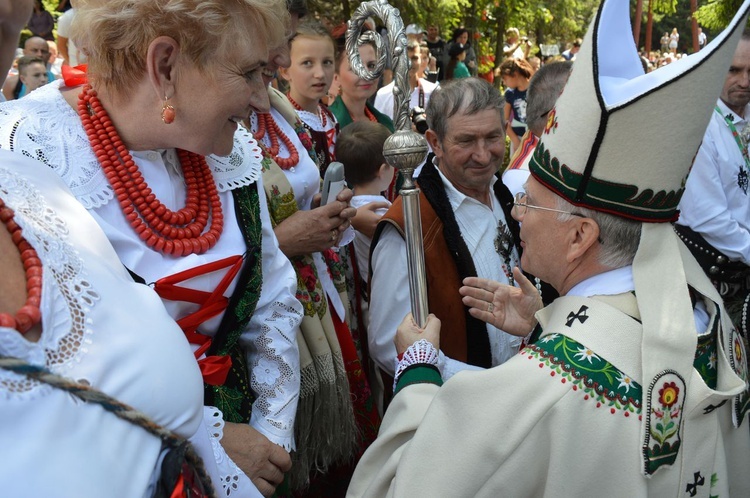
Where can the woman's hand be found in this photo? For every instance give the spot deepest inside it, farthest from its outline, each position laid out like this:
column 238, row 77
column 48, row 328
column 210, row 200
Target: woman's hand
column 264, row 462
column 367, row 219
column 316, row 229
column 408, row 333
column 508, row 308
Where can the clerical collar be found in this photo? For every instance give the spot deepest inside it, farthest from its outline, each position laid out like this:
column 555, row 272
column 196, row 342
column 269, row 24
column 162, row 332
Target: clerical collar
column 609, row 283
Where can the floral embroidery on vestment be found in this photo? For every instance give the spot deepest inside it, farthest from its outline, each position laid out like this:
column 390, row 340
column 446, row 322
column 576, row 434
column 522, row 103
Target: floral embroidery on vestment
column 665, row 400
column 705, row 359
column 597, row 379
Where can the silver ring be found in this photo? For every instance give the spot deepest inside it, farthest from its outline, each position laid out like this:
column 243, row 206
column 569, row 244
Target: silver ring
column 333, row 235
column 490, row 307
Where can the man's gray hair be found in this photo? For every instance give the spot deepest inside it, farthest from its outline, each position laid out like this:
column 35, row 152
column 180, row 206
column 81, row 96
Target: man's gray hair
column 467, row 95
column 619, row 236
column 544, row 88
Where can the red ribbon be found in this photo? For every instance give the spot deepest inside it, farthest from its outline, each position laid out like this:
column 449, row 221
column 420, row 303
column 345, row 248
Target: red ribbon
column 331, row 140
column 179, row 488
column 213, row 368
column 75, row 76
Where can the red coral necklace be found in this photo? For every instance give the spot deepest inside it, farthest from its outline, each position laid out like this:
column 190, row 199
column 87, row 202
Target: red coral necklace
column 178, row 233
column 321, row 110
column 29, row 314
column 370, row 115
column 266, row 124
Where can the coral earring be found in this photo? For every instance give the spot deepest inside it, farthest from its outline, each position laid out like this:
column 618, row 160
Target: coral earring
column 167, row 113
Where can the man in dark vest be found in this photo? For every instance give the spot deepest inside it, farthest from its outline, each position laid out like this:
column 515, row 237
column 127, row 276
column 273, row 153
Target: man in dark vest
column 468, row 231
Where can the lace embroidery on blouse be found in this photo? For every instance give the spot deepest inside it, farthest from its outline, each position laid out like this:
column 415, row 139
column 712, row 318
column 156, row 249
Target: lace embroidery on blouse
column 44, row 127
column 232, row 481
column 271, row 372
column 67, row 329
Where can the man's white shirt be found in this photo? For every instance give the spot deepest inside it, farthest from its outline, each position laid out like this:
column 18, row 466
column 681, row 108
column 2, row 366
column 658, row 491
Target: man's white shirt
column 715, row 203
column 384, row 97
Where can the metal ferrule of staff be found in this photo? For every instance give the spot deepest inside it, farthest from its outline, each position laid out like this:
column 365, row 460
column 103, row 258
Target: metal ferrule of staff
column 405, row 149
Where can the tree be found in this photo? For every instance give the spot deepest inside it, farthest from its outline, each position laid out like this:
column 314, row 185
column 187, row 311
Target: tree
column 544, row 21
column 716, row 14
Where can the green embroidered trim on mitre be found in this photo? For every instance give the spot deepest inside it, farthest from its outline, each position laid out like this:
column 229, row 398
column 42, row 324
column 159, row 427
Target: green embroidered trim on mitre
column 609, row 197
column 235, row 398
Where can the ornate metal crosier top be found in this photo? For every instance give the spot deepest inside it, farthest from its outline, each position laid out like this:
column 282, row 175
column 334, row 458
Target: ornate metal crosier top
column 405, row 149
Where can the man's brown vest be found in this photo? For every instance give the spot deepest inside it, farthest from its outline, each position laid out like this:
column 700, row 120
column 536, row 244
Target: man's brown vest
column 448, row 261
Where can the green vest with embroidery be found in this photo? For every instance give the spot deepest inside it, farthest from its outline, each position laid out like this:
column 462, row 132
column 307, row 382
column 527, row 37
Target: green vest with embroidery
column 235, row 398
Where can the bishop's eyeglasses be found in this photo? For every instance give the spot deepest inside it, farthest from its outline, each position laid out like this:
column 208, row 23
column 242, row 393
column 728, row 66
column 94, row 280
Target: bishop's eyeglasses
column 520, row 206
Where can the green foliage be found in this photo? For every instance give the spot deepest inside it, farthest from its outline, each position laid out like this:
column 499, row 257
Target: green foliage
column 543, row 21
column 716, row 14
column 665, row 6
column 551, row 21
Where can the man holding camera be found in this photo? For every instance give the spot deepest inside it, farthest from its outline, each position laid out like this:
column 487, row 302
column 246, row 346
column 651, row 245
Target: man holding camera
column 421, row 89
column 467, row 229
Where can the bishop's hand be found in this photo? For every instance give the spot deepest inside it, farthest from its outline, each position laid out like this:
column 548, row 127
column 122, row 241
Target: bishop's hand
column 508, row 308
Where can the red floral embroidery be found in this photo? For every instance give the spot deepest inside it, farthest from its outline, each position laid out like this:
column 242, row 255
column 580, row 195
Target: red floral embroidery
column 551, row 122
column 669, row 394
column 307, row 275
column 331, row 255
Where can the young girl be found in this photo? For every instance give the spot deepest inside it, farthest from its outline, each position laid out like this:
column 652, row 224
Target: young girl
column 516, row 74
column 310, row 75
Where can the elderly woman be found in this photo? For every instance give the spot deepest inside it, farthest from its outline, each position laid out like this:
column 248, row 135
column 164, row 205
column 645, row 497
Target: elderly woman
column 150, row 145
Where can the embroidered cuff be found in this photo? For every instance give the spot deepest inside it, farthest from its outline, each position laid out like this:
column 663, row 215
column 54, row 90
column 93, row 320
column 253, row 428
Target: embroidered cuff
column 421, row 352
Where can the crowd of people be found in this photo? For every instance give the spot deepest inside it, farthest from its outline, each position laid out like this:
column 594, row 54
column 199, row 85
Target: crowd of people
column 171, row 256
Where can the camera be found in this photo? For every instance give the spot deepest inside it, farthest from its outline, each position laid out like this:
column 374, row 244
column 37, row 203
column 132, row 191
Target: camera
column 419, row 119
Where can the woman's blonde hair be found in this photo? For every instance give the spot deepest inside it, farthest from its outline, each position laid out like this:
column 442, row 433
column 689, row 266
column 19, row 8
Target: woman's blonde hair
column 115, row 34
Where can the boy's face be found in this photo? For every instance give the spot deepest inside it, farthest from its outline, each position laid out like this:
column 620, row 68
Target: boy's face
column 34, row 76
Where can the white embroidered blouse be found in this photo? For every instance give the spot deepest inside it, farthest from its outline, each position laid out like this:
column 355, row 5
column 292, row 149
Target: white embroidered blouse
column 43, row 126
column 715, row 202
column 91, row 336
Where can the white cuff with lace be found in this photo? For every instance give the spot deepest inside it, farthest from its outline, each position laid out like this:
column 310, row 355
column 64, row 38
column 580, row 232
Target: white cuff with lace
column 421, row 352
